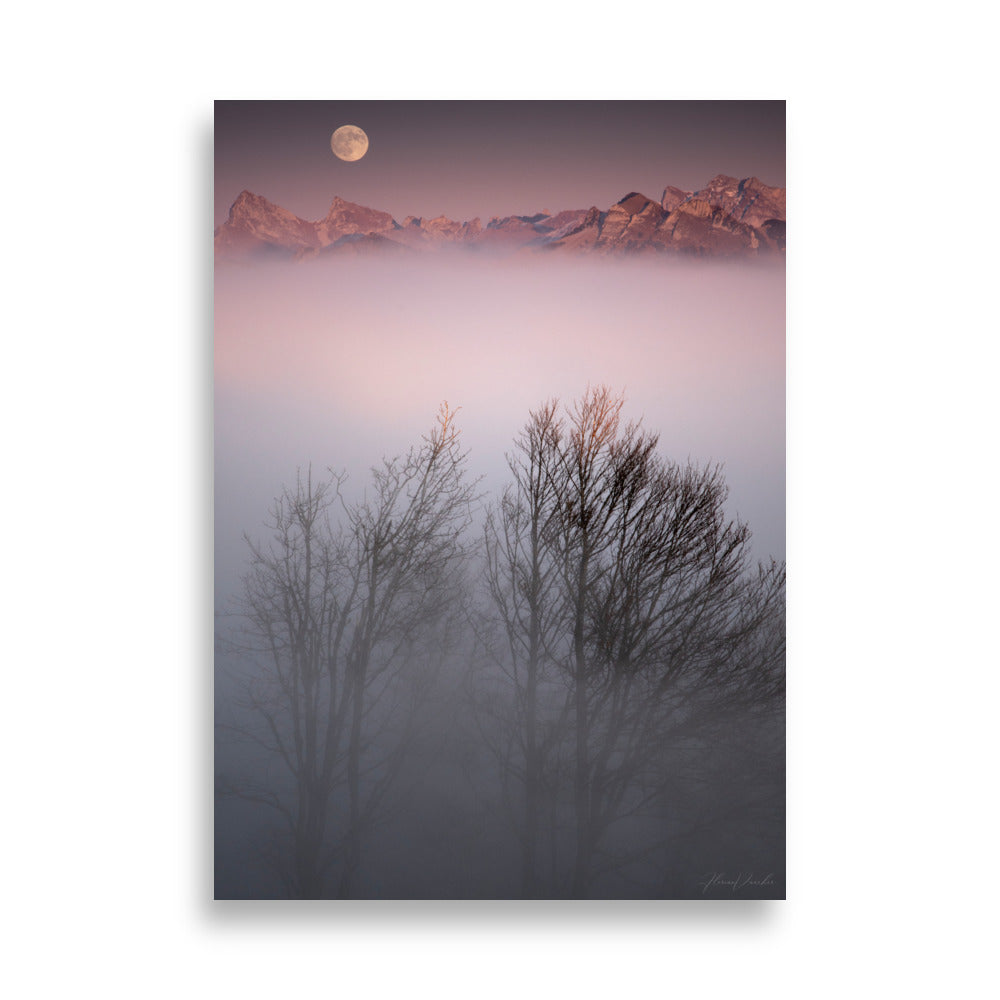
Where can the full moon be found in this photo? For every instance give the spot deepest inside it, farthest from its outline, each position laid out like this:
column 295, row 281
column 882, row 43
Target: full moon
column 349, row 142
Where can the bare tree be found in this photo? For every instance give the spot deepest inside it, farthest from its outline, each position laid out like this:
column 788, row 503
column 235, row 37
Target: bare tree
column 617, row 575
column 347, row 622
column 523, row 583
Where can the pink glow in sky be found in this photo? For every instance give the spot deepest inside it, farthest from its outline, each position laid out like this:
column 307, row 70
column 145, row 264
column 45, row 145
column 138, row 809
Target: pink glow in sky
column 341, row 363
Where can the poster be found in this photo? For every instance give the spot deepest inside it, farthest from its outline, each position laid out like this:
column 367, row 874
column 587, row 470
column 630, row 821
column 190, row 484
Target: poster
column 499, row 500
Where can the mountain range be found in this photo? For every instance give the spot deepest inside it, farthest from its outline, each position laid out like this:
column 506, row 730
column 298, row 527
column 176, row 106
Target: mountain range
column 728, row 217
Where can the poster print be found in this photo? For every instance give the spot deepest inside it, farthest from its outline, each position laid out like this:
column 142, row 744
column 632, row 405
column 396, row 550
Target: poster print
column 499, row 500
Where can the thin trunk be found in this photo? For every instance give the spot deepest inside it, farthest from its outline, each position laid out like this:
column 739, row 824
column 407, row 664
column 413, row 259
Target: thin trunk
column 581, row 797
column 352, row 859
column 308, row 839
column 529, row 877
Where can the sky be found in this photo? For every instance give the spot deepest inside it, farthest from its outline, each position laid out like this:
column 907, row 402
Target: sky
column 465, row 159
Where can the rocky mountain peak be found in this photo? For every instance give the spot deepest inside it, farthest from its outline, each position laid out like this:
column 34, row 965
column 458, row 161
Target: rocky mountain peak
column 722, row 182
column 747, row 201
column 255, row 223
column 634, row 202
column 727, row 217
column 672, row 197
column 630, row 222
column 345, row 218
column 249, row 205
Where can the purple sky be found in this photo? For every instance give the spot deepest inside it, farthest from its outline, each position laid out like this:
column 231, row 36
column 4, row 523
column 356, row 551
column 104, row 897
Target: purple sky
column 474, row 158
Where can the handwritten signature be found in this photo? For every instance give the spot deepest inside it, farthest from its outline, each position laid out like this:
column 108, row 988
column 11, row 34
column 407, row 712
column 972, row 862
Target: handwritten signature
column 720, row 880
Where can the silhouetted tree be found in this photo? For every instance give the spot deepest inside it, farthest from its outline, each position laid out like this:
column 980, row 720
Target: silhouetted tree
column 346, row 622
column 523, row 581
column 621, row 585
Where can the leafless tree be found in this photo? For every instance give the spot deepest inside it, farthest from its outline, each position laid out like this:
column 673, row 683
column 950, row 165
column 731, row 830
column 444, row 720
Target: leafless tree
column 346, row 622
column 523, row 581
column 620, row 585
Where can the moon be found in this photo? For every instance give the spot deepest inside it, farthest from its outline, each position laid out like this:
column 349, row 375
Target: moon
column 349, row 143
